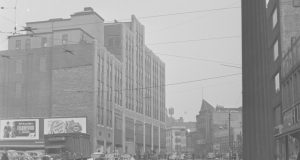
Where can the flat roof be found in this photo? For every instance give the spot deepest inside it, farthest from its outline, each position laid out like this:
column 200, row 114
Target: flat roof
column 56, row 30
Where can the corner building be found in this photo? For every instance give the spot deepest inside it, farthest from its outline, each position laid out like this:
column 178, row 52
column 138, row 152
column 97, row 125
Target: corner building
column 143, row 87
column 73, row 68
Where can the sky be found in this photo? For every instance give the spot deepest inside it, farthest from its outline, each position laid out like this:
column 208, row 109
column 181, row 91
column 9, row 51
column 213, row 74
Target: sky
column 196, row 48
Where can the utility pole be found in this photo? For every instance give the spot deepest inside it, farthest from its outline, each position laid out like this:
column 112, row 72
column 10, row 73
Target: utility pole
column 229, row 144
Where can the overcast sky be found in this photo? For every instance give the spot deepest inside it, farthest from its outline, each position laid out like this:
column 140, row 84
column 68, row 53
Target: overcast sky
column 222, row 20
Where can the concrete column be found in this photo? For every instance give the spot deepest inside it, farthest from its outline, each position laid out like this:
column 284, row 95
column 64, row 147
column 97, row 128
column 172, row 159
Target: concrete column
column 124, row 132
column 134, row 136
column 144, row 137
column 159, row 139
column 152, row 136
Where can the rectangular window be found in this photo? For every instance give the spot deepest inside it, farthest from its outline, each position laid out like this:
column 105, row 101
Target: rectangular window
column 19, row 66
column 296, row 3
column 277, row 83
column 274, row 18
column 44, row 42
column 18, row 90
column 275, row 50
column 277, row 115
column 18, row 44
column 27, row 44
column 267, row 2
column 64, row 39
column 43, row 64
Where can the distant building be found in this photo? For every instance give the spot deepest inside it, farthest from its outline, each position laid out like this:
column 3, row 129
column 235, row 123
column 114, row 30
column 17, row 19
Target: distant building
column 221, row 141
column 204, row 128
column 212, row 133
column 176, row 140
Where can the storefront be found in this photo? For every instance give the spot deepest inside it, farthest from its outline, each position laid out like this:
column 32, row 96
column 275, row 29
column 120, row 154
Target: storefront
column 287, row 136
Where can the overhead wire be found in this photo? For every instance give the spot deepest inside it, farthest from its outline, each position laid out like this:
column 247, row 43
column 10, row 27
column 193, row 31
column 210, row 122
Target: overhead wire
column 164, row 85
column 229, row 64
column 188, row 12
column 195, row 40
column 152, row 16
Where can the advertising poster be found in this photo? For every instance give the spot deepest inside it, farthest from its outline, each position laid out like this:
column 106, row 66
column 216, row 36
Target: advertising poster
column 19, row 129
column 64, row 125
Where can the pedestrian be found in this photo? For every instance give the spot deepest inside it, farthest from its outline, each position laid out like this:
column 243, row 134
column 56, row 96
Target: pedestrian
column 4, row 156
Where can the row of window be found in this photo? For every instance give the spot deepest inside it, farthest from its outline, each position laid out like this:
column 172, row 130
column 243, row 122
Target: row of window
column 19, row 65
column 44, row 42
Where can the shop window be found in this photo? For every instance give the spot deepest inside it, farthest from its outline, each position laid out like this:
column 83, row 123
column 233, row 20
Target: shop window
column 292, row 147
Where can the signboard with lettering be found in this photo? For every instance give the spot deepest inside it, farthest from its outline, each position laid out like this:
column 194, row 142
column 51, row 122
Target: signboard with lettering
column 19, row 129
column 64, row 125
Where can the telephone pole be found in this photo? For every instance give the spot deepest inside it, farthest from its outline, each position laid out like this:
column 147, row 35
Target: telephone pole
column 229, row 144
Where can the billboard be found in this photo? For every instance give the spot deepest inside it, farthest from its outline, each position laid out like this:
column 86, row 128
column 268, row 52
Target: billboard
column 64, row 125
column 19, row 129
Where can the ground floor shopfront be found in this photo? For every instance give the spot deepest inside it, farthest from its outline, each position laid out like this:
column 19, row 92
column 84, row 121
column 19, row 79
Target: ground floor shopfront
column 287, row 146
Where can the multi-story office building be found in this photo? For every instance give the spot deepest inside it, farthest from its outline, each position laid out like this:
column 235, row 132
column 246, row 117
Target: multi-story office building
column 143, row 84
column 63, row 69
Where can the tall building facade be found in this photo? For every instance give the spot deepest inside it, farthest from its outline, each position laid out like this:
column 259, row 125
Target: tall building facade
column 270, row 79
column 285, row 47
column 259, row 96
column 143, row 84
column 75, row 67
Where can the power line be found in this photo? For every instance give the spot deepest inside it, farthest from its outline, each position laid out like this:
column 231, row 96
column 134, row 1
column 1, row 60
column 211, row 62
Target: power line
column 184, row 82
column 194, row 40
column 164, row 85
column 188, row 12
column 152, row 16
column 193, row 19
column 228, row 64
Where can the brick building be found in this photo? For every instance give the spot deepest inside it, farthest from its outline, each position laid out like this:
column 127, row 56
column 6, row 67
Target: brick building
column 74, row 67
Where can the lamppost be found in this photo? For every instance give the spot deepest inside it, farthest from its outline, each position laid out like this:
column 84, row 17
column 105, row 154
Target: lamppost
column 171, row 112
